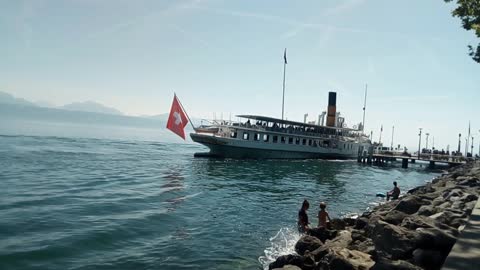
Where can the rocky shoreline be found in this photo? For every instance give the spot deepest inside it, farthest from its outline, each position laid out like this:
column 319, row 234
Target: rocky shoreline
column 416, row 231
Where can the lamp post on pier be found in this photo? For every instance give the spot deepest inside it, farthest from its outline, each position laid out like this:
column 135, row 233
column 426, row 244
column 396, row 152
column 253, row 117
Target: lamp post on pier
column 419, row 141
column 459, row 141
column 472, row 148
column 426, row 145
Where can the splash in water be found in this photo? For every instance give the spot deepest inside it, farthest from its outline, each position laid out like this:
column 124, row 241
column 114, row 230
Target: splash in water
column 283, row 243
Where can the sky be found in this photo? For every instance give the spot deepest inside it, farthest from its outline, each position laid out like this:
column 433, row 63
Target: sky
column 224, row 58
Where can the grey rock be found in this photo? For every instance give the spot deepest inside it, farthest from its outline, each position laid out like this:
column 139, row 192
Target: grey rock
column 428, row 259
column 323, row 234
column 345, row 259
column 385, row 264
column 435, row 239
column 307, row 242
column 394, row 217
column 291, row 259
column 337, row 224
column 426, row 210
column 410, row 205
column 361, row 222
column 394, row 240
column 289, row 267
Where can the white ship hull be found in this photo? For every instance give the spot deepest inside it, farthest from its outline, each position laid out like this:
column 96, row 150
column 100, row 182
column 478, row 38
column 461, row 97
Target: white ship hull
column 225, row 147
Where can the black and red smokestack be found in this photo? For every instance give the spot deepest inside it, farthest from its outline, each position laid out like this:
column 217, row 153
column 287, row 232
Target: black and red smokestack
column 332, row 108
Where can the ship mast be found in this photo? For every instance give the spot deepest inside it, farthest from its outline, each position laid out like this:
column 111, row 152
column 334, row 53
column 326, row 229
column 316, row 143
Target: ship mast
column 284, row 69
column 364, row 107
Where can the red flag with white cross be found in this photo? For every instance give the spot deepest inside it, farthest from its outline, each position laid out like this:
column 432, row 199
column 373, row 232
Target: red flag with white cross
column 177, row 120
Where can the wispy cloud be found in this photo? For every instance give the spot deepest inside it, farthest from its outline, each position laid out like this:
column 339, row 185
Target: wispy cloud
column 371, row 66
column 190, row 35
column 343, row 7
column 330, row 29
column 142, row 19
column 409, row 99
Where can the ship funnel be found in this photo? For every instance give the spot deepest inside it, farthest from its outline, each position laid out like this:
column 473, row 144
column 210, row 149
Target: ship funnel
column 332, row 109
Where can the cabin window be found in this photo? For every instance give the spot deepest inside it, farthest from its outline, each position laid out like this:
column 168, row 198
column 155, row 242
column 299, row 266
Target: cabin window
column 233, row 134
column 290, row 140
column 256, row 137
column 310, row 142
column 275, row 138
column 246, row 135
column 315, row 143
column 304, row 141
column 282, row 140
column 344, row 145
column 297, row 140
column 265, row 137
column 326, row 143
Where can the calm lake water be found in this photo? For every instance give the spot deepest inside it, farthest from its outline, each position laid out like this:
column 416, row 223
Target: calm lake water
column 73, row 203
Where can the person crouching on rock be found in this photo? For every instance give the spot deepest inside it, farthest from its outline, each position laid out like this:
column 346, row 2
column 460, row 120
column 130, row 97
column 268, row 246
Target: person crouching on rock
column 303, row 218
column 394, row 193
column 323, row 216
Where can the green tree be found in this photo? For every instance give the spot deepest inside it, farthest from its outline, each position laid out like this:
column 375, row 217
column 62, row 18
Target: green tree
column 469, row 12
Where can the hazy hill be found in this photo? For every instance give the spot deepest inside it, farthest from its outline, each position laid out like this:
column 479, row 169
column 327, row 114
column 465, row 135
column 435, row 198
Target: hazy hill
column 7, row 98
column 90, row 106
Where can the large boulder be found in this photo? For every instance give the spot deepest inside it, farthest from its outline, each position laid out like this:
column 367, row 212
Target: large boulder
column 337, row 224
column 293, row 259
column 435, row 239
column 322, row 233
column 344, row 259
column 426, row 210
column 307, row 242
column 343, row 240
column 468, row 181
column 410, row 204
column 395, row 241
column 428, row 259
column 450, row 218
column 394, row 217
column 414, row 222
column 385, row 264
column 361, row 222
column 288, row 267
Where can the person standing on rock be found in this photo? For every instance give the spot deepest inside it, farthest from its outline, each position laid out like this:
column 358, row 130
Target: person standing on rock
column 394, row 193
column 303, row 218
column 323, row 216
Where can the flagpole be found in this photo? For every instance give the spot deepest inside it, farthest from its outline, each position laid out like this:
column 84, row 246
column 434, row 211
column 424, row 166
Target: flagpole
column 189, row 120
column 284, row 70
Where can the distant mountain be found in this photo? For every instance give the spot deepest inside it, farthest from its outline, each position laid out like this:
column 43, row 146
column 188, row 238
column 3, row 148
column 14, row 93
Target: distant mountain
column 163, row 116
column 90, row 106
column 6, row 98
column 45, row 104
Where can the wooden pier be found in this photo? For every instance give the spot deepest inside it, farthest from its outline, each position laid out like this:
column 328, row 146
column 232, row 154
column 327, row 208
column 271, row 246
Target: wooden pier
column 379, row 158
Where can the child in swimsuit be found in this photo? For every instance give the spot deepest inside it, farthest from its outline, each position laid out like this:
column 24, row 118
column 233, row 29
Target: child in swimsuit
column 323, row 216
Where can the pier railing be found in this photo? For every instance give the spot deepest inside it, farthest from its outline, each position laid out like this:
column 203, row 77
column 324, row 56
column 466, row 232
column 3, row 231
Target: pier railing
column 423, row 156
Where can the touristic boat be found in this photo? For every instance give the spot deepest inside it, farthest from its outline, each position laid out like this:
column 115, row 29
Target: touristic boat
column 261, row 137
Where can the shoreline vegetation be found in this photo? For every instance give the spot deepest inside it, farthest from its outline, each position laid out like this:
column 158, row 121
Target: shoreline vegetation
column 416, row 231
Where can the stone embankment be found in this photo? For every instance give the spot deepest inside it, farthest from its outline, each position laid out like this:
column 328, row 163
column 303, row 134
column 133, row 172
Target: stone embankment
column 415, row 232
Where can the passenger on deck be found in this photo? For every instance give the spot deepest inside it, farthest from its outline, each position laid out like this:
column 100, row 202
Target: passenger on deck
column 394, row 193
column 323, row 216
column 303, row 218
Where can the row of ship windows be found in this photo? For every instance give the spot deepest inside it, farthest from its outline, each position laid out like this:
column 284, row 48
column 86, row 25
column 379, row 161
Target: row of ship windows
column 291, row 140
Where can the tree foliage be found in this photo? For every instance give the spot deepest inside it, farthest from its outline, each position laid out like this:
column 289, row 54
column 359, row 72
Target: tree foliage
column 469, row 12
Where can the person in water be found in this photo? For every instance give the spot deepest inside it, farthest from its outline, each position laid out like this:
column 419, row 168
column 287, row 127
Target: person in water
column 303, row 218
column 323, row 216
column 394, row 193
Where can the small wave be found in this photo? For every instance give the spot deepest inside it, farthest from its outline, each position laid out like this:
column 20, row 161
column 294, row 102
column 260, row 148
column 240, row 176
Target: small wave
column 342, row 160
column 283, row 243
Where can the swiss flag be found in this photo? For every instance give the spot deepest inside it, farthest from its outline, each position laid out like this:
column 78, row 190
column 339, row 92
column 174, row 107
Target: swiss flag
column 177, row 120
